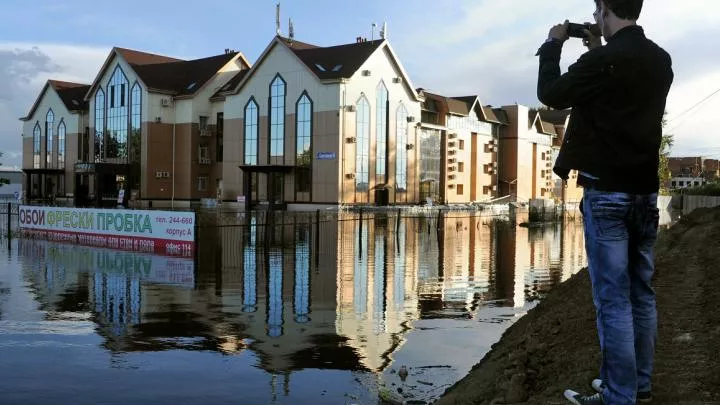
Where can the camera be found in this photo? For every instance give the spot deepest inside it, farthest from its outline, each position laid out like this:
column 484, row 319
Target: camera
column 578, row 30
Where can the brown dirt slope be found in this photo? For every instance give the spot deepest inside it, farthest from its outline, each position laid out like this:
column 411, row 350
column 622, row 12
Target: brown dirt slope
column 555, row 345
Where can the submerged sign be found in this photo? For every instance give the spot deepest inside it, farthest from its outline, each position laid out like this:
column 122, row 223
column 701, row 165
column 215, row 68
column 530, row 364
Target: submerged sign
column 163, row 232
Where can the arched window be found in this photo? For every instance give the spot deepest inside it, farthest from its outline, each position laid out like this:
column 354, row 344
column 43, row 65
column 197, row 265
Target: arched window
column 99, row 124
column 251, row 133
column 49, row 138
column 362, row 154
column 117, row 116
column 381, row 131
column 401, row 128
column 303, row 136
column 277, row 117
column 37, row 133
column 61, row 144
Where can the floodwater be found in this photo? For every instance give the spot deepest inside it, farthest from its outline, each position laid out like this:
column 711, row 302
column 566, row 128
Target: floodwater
column 278, row 309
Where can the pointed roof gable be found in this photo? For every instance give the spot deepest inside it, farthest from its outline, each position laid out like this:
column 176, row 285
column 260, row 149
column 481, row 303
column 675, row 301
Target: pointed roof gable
column 71, row 94
column 132, row 57
column 555, row 117
column 326, row 63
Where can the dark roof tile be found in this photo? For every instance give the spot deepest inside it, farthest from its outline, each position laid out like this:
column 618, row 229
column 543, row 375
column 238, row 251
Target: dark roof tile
column 71, row 94
column 144, row 58
column 184, row 77
column 333, row 62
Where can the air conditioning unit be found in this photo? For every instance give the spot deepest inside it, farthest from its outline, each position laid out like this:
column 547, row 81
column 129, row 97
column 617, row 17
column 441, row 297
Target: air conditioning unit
column 451, row 186
column 549, row 164
column 495, row 148
column 158, row 119
column 351, row 139
column 452, row 168
column 397, row 80
column 451, row 177
column 165, row 102
column 452, row 136
column 158, row 175
column 204, row 161
column 204, row 132
column 350, row 175
column 452, row 152
column 452, row 144
column 366, row 73
column 494, row 165
column 491, row 142
column 452, row 160
column 494, row 187
column 350, row 108
column 409, row 146
column 410, row 118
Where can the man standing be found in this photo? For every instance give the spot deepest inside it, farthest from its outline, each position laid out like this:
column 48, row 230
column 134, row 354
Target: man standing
column 617, row 93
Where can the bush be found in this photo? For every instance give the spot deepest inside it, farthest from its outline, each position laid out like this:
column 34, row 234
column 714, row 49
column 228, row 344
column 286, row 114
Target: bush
column 711, row 189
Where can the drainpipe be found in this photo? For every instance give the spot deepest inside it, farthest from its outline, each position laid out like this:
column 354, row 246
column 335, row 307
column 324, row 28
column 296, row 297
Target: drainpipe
column 342, row 145
column 172, row 197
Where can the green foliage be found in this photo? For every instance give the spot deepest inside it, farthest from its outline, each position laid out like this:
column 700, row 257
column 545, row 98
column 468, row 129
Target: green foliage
column 666, row 144
column 710, row 189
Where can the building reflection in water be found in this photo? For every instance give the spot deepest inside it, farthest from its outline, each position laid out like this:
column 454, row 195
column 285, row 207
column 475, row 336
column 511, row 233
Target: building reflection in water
column 339, row 295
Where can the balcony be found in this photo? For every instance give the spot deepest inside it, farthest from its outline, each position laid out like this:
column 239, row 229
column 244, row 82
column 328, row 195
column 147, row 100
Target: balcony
column 204, row 161
column 205, row 132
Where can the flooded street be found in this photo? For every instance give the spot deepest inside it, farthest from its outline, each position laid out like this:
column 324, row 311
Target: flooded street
column 278, row 309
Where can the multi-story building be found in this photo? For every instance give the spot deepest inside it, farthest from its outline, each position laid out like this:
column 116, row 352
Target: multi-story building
column 565, row 191
column 692, row 171
column 458, row 149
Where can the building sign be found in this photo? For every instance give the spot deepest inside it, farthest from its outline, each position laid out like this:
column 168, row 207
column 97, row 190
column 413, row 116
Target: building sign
column 326, row 156
column 84, row 167
column 162, row 232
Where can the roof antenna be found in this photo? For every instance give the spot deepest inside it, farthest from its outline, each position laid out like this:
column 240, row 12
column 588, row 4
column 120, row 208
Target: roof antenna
column 277, row 19
column 383, row 31
column 291, row 29
column 372, row 33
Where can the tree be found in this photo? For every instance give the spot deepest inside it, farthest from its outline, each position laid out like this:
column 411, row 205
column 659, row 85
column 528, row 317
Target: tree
column 3, row 181
column 666, row 144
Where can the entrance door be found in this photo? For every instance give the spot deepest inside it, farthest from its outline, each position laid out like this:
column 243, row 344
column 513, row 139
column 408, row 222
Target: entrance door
column 275, row 187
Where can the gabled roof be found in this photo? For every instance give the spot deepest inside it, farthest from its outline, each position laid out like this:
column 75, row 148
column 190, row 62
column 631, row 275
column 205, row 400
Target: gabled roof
column 132, row 57
column 502, row 116
column 230, row 84
column 326, row 63
column 535, row 118
column 182, row 78
column 71, row 94
column 555, row 117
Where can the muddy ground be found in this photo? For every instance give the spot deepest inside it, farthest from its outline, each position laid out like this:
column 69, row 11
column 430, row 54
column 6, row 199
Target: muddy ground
column 555, row 345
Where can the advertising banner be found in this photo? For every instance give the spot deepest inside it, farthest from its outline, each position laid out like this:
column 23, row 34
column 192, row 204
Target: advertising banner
column 162, row 232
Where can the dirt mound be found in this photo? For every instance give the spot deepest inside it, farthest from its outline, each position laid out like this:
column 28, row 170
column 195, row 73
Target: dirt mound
column 555, row 345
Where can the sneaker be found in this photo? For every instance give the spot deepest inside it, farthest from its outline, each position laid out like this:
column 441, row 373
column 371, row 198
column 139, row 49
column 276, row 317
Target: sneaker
column 579, row 399
column 643, row 397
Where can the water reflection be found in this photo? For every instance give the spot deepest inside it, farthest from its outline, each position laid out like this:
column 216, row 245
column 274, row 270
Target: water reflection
column 346, row 294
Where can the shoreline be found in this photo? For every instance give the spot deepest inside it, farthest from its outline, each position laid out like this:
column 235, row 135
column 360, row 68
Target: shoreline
column 555, row 346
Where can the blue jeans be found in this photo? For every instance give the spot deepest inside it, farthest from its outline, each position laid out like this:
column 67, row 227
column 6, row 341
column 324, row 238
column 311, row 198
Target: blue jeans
column 620, row 233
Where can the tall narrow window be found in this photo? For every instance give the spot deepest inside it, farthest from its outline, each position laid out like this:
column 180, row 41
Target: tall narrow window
column 401, row 128
column 49, row 139
column 219, row 128
column 135, row 123
column 381, row 131
column 61, row 145
column 362, row 154
column 99, row 124
column 277, row 117
column 117, row 117
column 251, row 133
column 37, row 133
column 303, row 136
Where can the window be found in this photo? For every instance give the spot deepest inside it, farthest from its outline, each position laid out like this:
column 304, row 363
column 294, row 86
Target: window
column 401, row 128
column 362, row 153
column 117, row 117
column 277, row 117
column 461, row 144
column 61, row 144
column 219, row 127
column 303, row 136
column 461, row 167
column 673, row 183
column 460, row 189
column 381, row 131
column 203, row 153
column 135, row 141
column 202, row 183
column 251, row 133
column 36, row 145
column 49, row 141
column 203, row 122
column 99, row 124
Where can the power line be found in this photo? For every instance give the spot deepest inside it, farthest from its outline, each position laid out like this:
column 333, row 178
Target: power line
column 692, row 108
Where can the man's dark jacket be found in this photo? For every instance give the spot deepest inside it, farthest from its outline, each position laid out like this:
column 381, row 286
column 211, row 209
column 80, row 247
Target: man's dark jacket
column 617, row 93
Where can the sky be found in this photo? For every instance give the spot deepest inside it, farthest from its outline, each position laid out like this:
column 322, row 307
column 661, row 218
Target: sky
column 452, row 47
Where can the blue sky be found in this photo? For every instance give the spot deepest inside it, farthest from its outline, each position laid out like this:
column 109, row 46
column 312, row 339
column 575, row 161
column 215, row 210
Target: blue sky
column 456, row 47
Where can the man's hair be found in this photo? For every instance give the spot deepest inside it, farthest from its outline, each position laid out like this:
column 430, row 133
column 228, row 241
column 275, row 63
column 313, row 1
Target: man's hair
column 625, row 9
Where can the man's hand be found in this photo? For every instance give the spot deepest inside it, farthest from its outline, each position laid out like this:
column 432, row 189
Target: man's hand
column 560, row 32
column 591, row 40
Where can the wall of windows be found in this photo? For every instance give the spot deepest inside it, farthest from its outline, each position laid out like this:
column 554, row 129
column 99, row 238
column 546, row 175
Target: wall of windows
column 401, row 128
column 381, row 131
column 362, row 154
column 117, row 116
column 303, row 136
column 135, row 137
column 277, row 117
column 251, row 133
column 61, row 144
column 99, row 124
column 37, row 132
column 49, row 124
